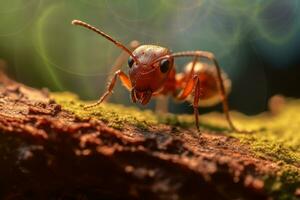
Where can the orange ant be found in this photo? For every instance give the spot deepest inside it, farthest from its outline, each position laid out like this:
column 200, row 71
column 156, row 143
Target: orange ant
column 152, row 73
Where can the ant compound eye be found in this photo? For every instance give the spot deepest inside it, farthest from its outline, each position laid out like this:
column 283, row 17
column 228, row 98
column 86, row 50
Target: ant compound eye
column 164, row 65
column 130, row 62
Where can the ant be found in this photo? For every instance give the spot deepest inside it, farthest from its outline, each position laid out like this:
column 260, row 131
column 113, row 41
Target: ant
column 152, row 73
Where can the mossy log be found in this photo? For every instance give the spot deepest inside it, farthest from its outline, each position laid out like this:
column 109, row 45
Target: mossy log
column 53, row 148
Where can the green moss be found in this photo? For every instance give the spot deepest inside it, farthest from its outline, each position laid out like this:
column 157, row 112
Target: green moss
column 284, row 184
column 115, row 115
column 188, row 121
column 280, row 139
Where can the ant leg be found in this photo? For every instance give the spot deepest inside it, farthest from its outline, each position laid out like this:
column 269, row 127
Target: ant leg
column 196, row 95
column 133, row 96
column 211, row 57
column 121, row 59
column 162, row 101
column 224, row 96
column 124, row 79
column 191, row 84
column 193, row 67
column 181, row 79
column 187, row 89
column 196, row 102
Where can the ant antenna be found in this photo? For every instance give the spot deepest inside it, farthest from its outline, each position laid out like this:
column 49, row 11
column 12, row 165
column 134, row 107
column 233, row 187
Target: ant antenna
column 117, row 43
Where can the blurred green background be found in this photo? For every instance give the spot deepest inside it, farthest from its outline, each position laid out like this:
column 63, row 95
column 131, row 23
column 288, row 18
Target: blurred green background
column 256, row 43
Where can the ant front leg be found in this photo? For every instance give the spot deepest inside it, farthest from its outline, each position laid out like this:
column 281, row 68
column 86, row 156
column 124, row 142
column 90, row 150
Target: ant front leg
column 124, row 79
column 122, row 58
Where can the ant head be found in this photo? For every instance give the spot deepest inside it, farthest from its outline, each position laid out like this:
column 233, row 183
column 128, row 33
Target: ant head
column 150, row 72
column 149, row 65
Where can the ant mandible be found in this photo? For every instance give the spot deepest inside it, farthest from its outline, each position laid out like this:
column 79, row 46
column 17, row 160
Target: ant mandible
column 152, row 73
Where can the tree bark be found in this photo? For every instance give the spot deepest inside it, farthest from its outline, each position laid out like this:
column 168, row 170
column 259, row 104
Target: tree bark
column 47, row 152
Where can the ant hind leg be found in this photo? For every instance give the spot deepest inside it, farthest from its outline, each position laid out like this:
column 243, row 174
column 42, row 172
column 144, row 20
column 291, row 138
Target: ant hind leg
column 224, row 96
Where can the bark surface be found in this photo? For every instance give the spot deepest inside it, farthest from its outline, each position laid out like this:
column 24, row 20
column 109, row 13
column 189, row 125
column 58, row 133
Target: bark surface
column 47, row 152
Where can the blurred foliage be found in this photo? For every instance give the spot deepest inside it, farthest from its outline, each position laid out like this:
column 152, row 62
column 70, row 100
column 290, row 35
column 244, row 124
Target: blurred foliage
column 43, row 49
